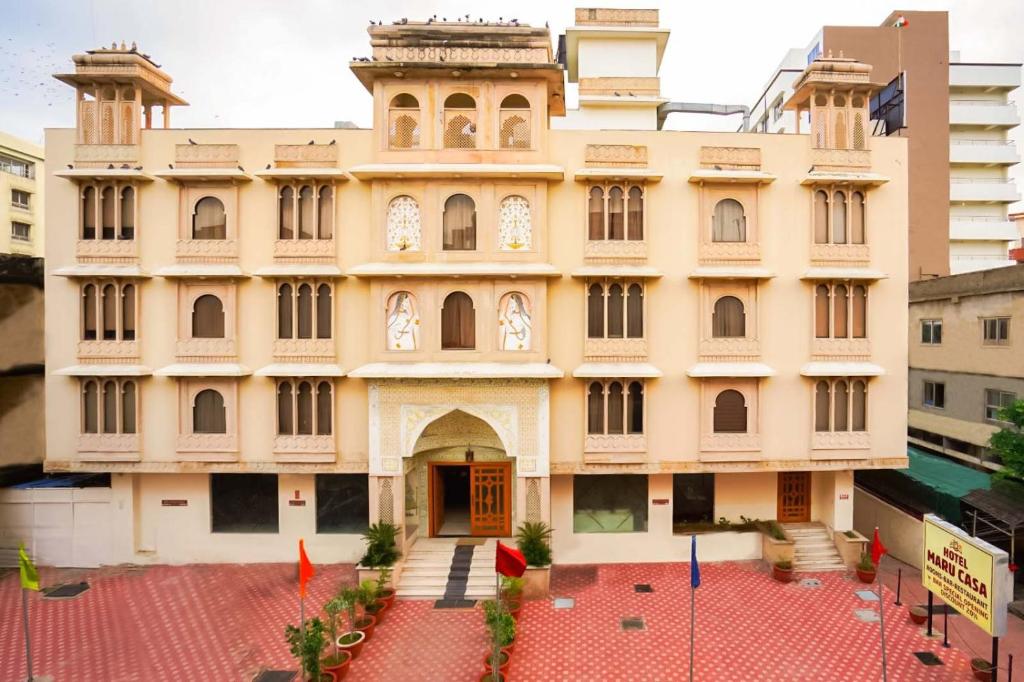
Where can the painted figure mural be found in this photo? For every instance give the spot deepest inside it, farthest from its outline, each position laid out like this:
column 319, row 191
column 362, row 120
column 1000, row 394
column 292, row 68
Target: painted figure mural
column 403, row 322
column 515, row 328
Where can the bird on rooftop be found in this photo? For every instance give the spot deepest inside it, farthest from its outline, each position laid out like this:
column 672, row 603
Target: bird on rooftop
column 70, row 166
column 717, row 167
column 110, row 166
column 191, row 141
column 429, row 21
column 618, row 94
column 331, row 142
column 124, row 166
column 309, row 143
column 241, row 169
column 138, row 168
column 440, row 57
column 171, row 166
column 268, row 166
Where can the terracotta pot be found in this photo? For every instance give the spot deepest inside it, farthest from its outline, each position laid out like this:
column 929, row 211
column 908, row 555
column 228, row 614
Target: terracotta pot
column 387, row 595
column 866, row 577
column 339, row 670
column 510, row 648
column 506, row 658
column 918, row 614
column 355, row 647
column 783, row 575
column 514, row 609
column 982, row 669
column 365, row 625
column 328, row 676
column 377, row 610
column 486, row 677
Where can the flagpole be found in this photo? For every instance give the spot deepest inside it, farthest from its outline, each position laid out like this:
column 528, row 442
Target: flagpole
column 28, row 646
column 881, row 617
column 693, row 601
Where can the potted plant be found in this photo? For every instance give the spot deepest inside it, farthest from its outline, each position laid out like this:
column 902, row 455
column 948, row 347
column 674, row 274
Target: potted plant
column 384, row 593
column 783, row 571
column 366, row 594
column 307, row 644
column 982, row 669
column 338, row 662
column 512, row 595
column 533, row 539
column 372, row 605
column 866, row 569
column 353, row 640
column 501, row 630
column 381, row 546
column 918, row 614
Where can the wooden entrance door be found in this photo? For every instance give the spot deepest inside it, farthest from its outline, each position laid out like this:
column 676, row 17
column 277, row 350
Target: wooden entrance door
column 436, row 500
column 490, row 498
column 794, row 496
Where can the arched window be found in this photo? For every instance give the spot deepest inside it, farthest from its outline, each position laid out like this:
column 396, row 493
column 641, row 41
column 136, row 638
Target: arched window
column 615, row 310
column 108, row 212
column 207, row 318
column 110, row 396
column 307, row 213
column 209, row 220
column 840, row 327
column 325, row 208
column 859, row 406
column 128, row 407
column 730, row 414
column 89, row 213
column 128, row 312
column 820, row 217
column 403, row 322
column 728, row 224
column 635, row 214
column 305, row 306
column 515, row 224
column 89, row 312
column 840, row 135
column 860, row 312
column 615, row 405
column 841, row 407
column 458, row 322
column 728, row 319
column 208, row 414
column 90, row 408
column 109, row 312
column 404, row 124
column 857, row 218
column 459, row 223
column 822, row 404
column 635, row 408
column 595, row 212
column 403, row 224
column 595, row 311
column 515, row 123
column 304, row 400
column 286, row 214
column 127, row 213
column 595, row 408
column 460, row 122
column 858, row 130
column 285, row 417
column 323, row 409
column 285, row 306
column 839, row 218
column 822, row 309
column 616, row 217
column 323, row 311
column 635, row 312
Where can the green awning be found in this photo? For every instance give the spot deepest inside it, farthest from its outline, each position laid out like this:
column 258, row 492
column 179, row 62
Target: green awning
column 944, row 475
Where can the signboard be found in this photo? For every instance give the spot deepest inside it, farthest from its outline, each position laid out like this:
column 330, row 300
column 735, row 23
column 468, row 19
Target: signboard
column 889, row 105
column 967, row 573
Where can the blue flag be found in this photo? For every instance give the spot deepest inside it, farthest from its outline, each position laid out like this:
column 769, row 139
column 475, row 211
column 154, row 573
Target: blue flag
column 694, row 566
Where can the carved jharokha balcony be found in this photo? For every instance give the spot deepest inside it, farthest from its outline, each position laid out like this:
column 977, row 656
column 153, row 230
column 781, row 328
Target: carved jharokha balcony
column 304, row 448
column 208, row 447
column 319, row 249
column 206, row 249
column 615, row 448
column 109, row 447
column 724, row 447
column 299, row 349
column 840, row 254
column 615, row 350
column 104, row 349
column 615, row 250
column 207, row 349
column 841, row 348
column 729, row 349
column 729, row 253
column 841, row 440
column 116, row 250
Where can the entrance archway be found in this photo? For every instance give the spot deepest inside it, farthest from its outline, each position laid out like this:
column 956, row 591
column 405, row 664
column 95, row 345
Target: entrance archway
column 461, row 479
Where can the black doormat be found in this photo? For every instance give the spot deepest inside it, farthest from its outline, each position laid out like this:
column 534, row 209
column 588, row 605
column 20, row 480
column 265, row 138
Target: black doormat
column 454, row 603
column 940, row 609
column 632, row 624
column 928, row 658
column 643, row 587
column 275, row 676
column 65, row 591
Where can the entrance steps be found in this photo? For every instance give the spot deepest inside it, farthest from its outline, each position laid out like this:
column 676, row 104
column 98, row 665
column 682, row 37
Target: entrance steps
column 814, row 549
column 428, row 569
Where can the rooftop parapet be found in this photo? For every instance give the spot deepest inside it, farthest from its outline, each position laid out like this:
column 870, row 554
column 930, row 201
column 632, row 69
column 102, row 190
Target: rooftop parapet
column 122, row 66
column 607, row 16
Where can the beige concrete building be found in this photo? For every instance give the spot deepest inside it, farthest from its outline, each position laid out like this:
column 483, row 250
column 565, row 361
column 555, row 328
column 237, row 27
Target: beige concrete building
column 462, row 319
column 21, row 190
column 963, row 364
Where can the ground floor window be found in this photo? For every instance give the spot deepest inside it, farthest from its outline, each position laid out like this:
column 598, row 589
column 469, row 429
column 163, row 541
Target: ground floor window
column 609, row 503
column 342, row 503
column 693, row 498
column 243, row 503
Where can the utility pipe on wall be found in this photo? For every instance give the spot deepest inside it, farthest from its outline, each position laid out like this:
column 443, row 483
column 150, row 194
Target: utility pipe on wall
column 699, row 108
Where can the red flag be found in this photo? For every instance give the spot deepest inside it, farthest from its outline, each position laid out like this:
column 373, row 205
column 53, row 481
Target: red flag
column 877, row 548
column 509, row 562
column 306, row 570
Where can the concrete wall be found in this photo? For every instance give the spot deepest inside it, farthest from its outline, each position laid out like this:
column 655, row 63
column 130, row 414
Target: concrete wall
column 22, row 409
column 901, row 533
column 26, row 151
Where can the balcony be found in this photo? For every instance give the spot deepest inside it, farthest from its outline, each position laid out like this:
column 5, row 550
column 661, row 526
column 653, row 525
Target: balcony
column 729, row 253
column 321, row 249
column 300, row 350
column 628, row 448
column 990, row 190
column 615, row 350
column 206, row 249
column 210, row 350
column 841, row 348
column 87, row 155
column 982, row 112
column 988, row 152
column 304, row 448
column 730, row 447
column 973, row 263
column 839, row 440
column 729, row 349
column 840, row 254
column 109, row 447
column 982, row 228
column 119, row 249
column 207, row 447
column 615, row 250
column 108, row 349
column 997, row 76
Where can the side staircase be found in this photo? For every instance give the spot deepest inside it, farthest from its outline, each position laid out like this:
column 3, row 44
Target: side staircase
column 814, row 549
column 431, row 571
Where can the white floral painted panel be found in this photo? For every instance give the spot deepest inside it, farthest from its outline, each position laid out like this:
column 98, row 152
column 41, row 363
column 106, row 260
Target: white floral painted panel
column 515, row 327
column 403, row 322
column 515, row 231
column 403, row 224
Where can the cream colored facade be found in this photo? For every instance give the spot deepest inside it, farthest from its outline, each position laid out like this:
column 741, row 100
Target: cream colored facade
column 411, row 379
column 21, row 197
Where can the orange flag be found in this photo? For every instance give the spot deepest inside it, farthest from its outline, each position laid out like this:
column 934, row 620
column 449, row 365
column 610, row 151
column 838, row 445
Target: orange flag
column 305, row 569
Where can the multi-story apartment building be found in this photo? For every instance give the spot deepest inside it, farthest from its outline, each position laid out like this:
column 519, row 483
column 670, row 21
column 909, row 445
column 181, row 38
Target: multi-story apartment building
column 963, row 364
column 958, row 118
column 461, row 319
column 21, row 193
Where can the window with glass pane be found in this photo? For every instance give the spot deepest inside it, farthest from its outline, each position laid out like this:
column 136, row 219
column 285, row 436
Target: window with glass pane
column 996, row 400
column 693, row 498
column 243, row 503
column 342, row 503
column 21, row 231
column 996, row 330
column 934, row 394
column 19, row 198
column 931, row 332
column 609, row 503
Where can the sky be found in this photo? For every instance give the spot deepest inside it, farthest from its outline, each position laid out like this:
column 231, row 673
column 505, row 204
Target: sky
column 284, row 63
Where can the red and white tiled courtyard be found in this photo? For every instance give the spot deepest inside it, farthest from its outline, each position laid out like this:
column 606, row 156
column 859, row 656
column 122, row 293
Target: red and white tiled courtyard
column 226, row 622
